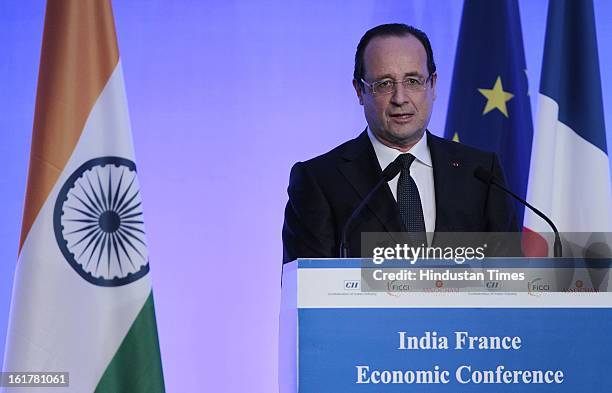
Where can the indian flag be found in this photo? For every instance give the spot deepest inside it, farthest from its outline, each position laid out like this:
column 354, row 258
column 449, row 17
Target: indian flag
column 82, row 300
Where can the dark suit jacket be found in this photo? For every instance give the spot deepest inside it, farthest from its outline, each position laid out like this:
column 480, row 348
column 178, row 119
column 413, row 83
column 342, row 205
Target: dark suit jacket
column 324, row 191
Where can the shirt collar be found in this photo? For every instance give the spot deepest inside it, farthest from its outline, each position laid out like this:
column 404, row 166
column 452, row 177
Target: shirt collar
column 386, row 154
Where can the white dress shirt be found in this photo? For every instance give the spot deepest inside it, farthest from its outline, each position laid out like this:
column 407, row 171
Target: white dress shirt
column 421, row 171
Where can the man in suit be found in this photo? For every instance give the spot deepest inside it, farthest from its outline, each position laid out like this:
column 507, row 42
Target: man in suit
column 395, row 81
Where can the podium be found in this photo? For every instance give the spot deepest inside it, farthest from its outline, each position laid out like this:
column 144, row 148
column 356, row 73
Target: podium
column 549, row 332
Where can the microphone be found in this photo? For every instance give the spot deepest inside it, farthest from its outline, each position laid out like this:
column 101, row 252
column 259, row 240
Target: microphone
column 387, row 174
column 487, row 177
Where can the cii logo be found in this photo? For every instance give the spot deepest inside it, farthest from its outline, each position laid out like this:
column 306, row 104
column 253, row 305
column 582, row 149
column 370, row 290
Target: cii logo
column 493, row 284
column 352, row 285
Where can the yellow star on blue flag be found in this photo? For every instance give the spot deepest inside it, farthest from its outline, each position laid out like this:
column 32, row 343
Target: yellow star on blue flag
column 489, row 106
column 496, row 98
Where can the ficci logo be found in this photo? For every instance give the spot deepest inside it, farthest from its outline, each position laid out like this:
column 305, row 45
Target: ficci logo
column 352, row 284
column 537, row 285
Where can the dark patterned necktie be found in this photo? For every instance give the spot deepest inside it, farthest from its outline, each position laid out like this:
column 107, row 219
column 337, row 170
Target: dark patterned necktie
column 409, row 203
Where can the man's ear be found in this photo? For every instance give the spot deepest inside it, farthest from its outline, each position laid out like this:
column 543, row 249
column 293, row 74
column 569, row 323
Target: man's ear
column 434, row 79
column 358, row 89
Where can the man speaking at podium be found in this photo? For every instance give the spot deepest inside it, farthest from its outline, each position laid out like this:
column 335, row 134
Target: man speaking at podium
column 435, row 190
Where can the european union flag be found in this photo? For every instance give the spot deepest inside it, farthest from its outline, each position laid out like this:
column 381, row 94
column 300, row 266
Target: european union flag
column 489, row 104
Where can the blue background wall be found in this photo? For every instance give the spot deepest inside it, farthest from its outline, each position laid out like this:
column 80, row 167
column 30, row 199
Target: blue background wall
column 225, row 96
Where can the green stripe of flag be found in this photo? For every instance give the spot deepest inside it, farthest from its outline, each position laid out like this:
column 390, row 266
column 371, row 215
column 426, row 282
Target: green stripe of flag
column 136, row 367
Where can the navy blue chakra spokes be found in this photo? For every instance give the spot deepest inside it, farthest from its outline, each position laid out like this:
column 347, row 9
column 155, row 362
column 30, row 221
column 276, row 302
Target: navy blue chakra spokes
column 98, row 222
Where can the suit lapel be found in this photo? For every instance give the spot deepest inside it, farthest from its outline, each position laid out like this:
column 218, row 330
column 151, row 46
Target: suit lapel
column 446, row 168
column 361, row 169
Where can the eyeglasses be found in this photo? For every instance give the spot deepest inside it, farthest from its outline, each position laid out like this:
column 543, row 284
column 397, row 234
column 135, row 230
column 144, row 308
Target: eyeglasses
column 388, row 86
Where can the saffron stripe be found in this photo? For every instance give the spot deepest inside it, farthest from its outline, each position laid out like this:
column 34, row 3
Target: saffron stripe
column 79, row 54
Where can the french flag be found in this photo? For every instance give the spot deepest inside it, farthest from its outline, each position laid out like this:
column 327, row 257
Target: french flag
column 569, row 177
